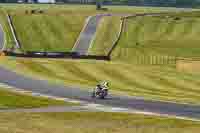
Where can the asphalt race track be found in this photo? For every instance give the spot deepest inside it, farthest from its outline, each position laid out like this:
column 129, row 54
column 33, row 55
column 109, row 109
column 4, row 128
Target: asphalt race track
column 40, row 86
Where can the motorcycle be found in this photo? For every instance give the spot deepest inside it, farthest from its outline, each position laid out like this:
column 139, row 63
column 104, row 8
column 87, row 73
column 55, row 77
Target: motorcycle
column 99, row 93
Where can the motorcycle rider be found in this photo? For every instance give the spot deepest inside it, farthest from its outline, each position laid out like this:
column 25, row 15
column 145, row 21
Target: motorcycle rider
column 101, row 90
column 103, row 85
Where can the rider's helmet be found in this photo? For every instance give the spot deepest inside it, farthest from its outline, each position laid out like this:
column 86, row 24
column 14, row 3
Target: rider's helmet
column 105, row 84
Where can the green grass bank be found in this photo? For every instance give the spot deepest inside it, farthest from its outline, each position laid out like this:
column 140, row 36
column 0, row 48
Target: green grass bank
column 165, row 36
column 92, row 122
column 13, row 100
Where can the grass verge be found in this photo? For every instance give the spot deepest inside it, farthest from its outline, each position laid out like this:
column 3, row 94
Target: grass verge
column 12, row 100
column 92, row 122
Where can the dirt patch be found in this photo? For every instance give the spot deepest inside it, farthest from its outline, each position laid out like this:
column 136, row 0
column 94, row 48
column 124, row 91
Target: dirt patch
column 188, row 65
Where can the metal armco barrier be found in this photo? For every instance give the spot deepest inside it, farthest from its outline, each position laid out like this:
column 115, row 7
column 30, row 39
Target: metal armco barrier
column 69, row 55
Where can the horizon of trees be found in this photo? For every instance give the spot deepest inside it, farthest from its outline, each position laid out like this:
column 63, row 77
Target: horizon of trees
column 174, row 3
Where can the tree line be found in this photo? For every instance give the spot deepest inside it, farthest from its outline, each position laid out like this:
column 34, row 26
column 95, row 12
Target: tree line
column 174, row 3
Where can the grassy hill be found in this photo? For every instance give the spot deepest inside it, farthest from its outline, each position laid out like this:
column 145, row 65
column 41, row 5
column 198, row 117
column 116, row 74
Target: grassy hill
column 151, row 40
column 56, row 31
column 174, row 36
column 59, row 26
column 171, row 35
